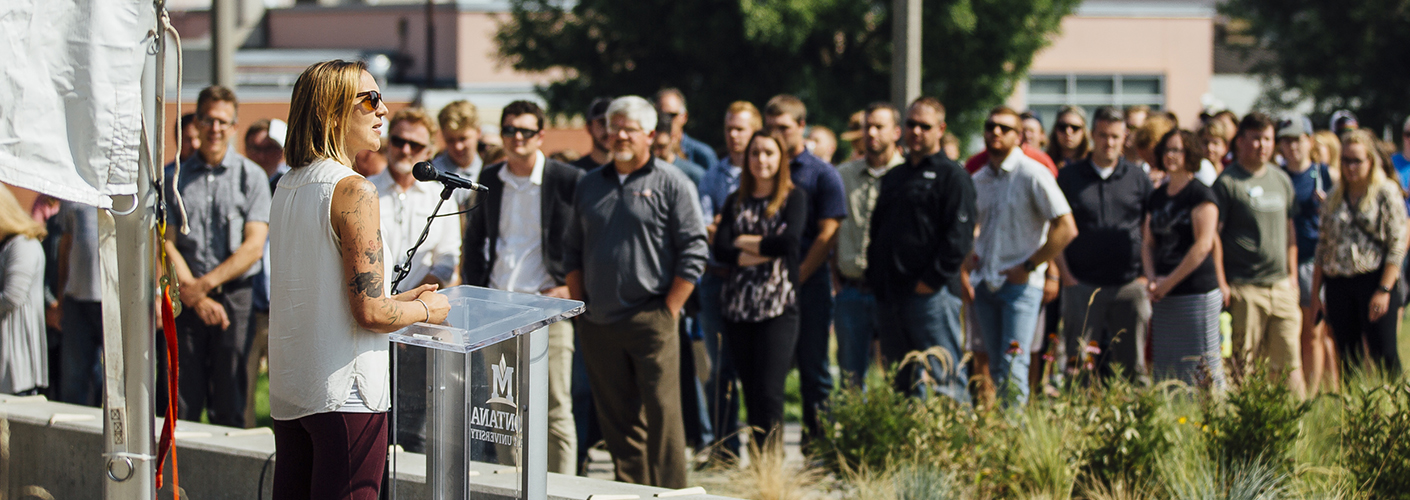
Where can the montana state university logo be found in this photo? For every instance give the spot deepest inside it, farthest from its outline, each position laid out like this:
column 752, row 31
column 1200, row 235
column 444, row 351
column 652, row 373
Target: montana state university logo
column 502, row 391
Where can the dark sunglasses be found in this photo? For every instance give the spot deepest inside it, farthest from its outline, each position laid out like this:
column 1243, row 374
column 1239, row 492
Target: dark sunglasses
column 990, row 125
column 923, row 126
column 511, row 131
column 372, row 102
column 399, row 142
column 1405, row 133
column 1068, row 127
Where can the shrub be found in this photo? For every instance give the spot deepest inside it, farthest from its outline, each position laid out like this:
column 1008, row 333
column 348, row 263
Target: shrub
column 1376, row 437
column 1259, row 421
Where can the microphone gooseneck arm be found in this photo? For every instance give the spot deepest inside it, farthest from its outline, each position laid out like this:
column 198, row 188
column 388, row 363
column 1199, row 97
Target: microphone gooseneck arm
column 404, row 268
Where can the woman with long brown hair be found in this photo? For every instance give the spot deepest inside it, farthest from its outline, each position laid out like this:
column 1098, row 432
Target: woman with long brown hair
column 759, row 238
column 24, row 352
column 329, row 388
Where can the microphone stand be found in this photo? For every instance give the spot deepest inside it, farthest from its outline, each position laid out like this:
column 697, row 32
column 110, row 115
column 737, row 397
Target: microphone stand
column 405, row 268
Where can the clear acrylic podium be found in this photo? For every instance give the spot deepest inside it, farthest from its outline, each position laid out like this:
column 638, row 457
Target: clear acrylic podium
column 472, row 396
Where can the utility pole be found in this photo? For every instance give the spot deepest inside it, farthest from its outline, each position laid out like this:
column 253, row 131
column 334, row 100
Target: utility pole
column 430, row 43
column 905, row 52
column 223, row 17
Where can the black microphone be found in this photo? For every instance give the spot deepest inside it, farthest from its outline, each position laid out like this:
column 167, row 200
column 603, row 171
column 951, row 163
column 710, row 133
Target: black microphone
column 425, row 172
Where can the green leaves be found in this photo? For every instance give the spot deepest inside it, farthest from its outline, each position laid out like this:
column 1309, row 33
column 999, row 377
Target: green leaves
column 834, row 54
column 1337, row 54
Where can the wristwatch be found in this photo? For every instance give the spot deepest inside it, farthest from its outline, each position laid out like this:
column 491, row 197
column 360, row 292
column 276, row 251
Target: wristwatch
column 1029, row 266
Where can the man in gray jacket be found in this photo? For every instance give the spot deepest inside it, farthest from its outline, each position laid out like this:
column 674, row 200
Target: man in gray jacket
column 633, row 253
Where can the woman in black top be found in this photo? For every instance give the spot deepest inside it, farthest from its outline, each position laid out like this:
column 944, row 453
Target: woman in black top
column 1185, row 279
column 758, row 237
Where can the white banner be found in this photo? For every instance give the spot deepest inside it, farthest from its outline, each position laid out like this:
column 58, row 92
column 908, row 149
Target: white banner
column 70, row 95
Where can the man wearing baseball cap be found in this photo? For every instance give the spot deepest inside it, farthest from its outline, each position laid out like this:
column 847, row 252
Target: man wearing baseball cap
column 1311, row 181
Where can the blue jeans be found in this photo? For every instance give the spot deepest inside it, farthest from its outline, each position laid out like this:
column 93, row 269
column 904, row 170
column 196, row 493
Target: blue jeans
column 1007, row 316
column 814, row 327
column 856, row 327
column 919, row 322
column 720, row 391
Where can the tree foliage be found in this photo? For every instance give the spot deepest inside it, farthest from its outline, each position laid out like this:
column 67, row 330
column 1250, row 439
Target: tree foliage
column 833, row 54
column 1339, row 55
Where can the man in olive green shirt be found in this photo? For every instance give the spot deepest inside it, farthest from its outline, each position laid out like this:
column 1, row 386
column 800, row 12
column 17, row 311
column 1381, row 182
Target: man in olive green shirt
column 1256, row 205
column 861, row 181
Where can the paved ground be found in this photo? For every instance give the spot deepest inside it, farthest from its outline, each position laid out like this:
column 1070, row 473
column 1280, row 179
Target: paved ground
column 601, row 462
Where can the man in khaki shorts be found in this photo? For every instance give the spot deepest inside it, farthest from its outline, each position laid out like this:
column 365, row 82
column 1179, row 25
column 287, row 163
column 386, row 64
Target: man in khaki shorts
column 1256, row 202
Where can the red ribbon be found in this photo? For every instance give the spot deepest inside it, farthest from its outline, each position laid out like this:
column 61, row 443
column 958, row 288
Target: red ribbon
column 169, row 424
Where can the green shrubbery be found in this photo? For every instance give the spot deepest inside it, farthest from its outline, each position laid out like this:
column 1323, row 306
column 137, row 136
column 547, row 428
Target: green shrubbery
column 1124, row 441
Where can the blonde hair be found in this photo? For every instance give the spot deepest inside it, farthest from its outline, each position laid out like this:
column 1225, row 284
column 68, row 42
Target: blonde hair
column 1327, row 139
column 459, row 115
column 1377, row 172
column 14, row 220
column 755, row 119
column 1150, row 132
column 324, row 99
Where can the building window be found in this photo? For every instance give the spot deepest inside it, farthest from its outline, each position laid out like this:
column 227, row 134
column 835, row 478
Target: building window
column 1048, row 93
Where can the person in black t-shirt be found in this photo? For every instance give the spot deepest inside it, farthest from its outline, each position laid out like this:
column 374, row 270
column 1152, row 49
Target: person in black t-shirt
column 1187, row 287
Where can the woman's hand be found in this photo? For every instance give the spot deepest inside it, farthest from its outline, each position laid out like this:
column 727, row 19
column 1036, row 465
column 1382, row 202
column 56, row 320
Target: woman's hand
column 1380, row 304
column 1228, row 293
column 437, row 306
column 747, row 259
column 415, row 293
column 749, row 243
column 1159, row 288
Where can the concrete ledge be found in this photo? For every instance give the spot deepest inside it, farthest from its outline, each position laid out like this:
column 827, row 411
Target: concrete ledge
column 53, row 450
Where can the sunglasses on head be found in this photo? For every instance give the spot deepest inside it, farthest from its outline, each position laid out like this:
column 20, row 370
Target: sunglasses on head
column 401, row 142
column 1005, row 129
column 372, row 102
column 511, row 131
column 923, row 126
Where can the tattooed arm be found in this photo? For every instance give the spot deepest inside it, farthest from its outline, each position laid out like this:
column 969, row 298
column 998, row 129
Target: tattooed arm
column 356, row 221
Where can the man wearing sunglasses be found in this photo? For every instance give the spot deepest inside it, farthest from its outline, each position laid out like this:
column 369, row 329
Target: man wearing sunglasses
column 227, row 210
column 514, row 242
column 1024, row 222
column 405, row 203
column 920, row 233
column 1030, row 149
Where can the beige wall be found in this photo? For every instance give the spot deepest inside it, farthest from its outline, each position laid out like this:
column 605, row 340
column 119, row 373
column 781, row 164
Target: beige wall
column 369, row 28
column 1181, row 49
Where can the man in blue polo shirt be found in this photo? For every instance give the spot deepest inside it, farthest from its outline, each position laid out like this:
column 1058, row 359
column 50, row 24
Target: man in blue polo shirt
column 786, row 116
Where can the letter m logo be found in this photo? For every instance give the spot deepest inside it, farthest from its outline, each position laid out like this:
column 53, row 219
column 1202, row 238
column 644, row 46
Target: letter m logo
column 502, row 391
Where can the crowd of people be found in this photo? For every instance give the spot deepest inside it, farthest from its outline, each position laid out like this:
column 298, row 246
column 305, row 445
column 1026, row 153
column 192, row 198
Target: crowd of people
column 1107, row 246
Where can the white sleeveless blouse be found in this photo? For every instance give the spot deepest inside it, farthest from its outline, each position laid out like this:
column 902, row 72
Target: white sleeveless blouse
column 317, row 352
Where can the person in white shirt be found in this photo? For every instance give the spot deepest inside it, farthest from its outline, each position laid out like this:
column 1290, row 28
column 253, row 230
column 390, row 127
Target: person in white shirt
column 330, row 313
column 1024, row 222
column 405, row 204
column 514, row 242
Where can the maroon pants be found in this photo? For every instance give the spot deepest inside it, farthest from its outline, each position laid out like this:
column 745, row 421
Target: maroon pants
column 328, row 456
